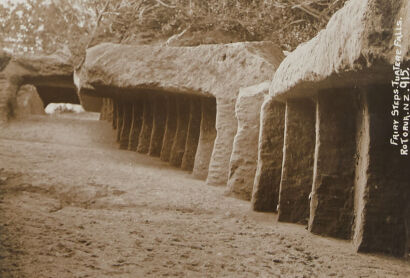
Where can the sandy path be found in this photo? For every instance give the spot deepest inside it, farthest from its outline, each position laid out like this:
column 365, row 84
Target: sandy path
column 73, row 205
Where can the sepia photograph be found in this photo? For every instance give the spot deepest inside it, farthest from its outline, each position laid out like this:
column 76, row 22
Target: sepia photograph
column 204, row 138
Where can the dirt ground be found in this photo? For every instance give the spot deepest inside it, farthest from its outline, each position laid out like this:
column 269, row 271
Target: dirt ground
column 73, row 205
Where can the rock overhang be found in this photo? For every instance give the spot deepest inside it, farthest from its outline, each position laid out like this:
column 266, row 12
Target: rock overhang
column 359, row 38
column 54, row 70
column 206, row 70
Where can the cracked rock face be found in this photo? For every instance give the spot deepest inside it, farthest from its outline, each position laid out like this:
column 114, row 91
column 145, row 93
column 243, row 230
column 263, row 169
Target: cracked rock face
column 208, row 71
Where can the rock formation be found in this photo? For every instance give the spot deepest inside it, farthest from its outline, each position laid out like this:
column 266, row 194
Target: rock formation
column 339, row 171
column 245, row 146
column 185, row 77
column 52, row 75
column 28, row 102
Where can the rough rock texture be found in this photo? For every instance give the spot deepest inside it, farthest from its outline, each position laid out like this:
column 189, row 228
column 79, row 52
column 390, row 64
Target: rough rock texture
column 28, row 102
column 356, row 50
column 206, row 138
column 245, row 146
column 137, row 118
column 126, row 125
column 114, row 113
column 297, row 169
column 158, row 127
column 331, row 206
column 170, row 128
column 207, row 70
column 382, row 180
column 119, row 118
column 144, row 139
column 110, row 109
column 192, row 139
column 178, row 146
column 52, row 76
column 358, row 37
column 104, row 109
column 265, row 193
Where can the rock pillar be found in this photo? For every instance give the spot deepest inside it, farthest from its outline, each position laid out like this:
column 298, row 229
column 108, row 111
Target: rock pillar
column 193, row 134
column 265, row 193
column 136, row 124
column 226, row 129
column 158, row 128
column 146, row 129
column 126, row 125
column 207, row 137
column 297, row 167
column 331, row 205
column 245, row 146
column 382, row 179
column 170, row 128
column 178, row 146
column 119, row 118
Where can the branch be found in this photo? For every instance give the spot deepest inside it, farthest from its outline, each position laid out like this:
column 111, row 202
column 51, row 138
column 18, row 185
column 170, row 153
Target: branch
column 165, row 5
column 309, row 10
column 176, row 36
column 100, row 15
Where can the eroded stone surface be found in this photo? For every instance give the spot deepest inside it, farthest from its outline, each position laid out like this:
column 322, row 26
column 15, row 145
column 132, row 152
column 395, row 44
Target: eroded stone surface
column 119, row 118
column 52, row 75
column 207, row 70
column 297, row 169
column 331, row 206
column 137, row 118
column 144, row 139
column 358, row 37
column 245, row 146
column 170, row 128
column 126, row 125
column 382, row 180
column 178, row 146
column 206, row 138
column 192, row 139
column 28, row 102
column 158, row 127
column 265, row 193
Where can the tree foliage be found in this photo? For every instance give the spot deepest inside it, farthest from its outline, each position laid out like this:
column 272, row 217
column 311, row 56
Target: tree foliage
column 49, row 25
column 46, row 26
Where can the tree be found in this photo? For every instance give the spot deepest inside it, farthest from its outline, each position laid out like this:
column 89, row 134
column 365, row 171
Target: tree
column 41, row 26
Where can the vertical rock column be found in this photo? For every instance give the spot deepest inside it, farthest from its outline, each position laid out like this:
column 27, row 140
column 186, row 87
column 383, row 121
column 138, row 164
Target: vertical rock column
column 226, row 129
column 331, row 206
column 207, row 137
column 193, row 134
column 146, row 129
column 170, row 128
column 108, row 109
column 103, row 112
column 126, row 125
column 158, row 128
column 8, row 92
column 114, row 113
column 245, row 146
column 265, row 193
column 119, row 119
column 178, row 146
column 137, row 118
column 297, row 167
column 382, row 180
